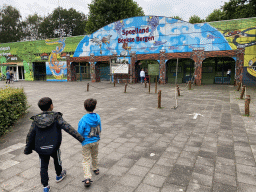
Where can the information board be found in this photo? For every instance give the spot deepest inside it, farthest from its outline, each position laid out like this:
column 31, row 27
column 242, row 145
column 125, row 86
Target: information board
column 153, row 69
column 119, row 68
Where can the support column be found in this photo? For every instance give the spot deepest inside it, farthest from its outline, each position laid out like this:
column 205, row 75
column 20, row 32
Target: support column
column 68, row 69
column 162, row 66
column 132, row 67
column 92, row 67
column 239, row 63
column 198, row 56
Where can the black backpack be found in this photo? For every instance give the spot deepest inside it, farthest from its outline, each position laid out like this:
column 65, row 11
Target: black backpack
column 48, row 140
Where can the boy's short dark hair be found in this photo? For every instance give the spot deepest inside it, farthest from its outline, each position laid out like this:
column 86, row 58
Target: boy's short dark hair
column 90, row 104
column 44, row 103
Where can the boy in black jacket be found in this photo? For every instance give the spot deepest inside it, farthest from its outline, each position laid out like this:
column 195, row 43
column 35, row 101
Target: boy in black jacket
column 45, row 138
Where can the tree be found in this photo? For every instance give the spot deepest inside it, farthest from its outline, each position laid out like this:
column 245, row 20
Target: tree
column 235, row 9
column 10, row 24
column 104, row 12
column 195, row 19
column 177, row 17
column 216, row 15
column 63, row 22
column 31, row 26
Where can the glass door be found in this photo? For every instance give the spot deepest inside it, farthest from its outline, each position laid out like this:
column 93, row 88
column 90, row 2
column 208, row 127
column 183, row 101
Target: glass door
column 188, row 72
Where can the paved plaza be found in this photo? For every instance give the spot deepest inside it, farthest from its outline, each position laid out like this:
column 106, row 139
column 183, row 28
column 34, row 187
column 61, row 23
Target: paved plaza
column 206, row 144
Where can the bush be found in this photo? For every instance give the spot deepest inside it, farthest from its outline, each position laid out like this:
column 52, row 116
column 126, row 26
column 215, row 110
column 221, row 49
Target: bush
column 13, row 104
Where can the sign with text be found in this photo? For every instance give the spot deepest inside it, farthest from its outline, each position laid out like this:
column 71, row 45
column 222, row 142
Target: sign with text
column 153, row 69
column 120, row 68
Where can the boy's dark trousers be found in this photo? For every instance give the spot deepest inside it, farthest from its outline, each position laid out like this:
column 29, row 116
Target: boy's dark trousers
column 44, row 166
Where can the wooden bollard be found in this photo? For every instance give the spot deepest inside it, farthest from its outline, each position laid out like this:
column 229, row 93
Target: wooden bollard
column 159, row 99
column 156, row 86
column 239, row 86
column 189, row 85
column 114, row 83
column 242, row 93
column 87, row 87
column 247, row 103
column 234, row 82
column 178, row 90
column 125, row 87
column 145, row 84
column 149, row 87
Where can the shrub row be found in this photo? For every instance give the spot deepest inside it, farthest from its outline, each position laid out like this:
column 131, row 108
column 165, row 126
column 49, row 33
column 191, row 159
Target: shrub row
column 13, row 104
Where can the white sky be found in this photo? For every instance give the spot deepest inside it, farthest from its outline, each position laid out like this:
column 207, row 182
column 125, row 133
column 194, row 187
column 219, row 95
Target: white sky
column 168, row 8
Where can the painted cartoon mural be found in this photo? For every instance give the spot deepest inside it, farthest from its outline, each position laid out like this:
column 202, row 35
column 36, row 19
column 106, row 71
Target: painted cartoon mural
column 241, row 33
column 150, row 34
column 56, row 70
column 140, row 35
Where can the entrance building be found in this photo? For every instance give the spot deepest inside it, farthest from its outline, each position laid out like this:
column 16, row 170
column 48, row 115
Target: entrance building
column 203, row 52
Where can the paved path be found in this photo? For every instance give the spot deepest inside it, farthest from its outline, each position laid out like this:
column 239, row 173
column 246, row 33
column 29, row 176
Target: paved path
column 205, row 145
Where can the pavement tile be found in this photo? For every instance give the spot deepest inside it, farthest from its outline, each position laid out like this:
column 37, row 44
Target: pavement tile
column 180, row 175
column 146, row 188
column 201, row 179
column 225, row 179
column 161, row 170
column 194, row 187
column 107, row 181
column 12, row 183
column 203, row 169
column 121, row 188
column 139, row 170
column 166, row 161
column 131, row 180
column 251, row 170
column 185, row 161
column 217, row 187
column 245, row 161
column 205, row 161
column 242, row 187
column 117, row 170
column 172, row 188
column 154, row 180
column 246, row 178
column 145, row 162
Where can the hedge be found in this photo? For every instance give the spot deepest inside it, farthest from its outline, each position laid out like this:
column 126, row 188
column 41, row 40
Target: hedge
column 13, row 104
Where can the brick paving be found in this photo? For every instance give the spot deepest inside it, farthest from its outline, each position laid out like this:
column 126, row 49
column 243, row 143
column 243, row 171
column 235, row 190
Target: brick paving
column 205, row 145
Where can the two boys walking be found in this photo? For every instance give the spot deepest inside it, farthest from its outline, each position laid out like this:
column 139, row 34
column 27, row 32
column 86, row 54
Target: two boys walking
column 45, row 138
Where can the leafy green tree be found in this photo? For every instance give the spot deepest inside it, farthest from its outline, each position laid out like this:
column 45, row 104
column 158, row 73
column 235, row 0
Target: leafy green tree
column 177, row 17
column 195, row 19
column 63, row 22
column 235, row 9
column 10, row 24
column 31, row 26
column 104, row 12
column 216, row 15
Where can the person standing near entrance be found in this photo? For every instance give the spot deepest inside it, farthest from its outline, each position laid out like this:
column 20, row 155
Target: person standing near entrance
column 229, row 74
column 142, row 76
column 8, row 76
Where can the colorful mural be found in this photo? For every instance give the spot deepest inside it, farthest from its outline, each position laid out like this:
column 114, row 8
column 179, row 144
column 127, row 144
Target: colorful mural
column 55, row 69
column 241, row 32
column 150, row 34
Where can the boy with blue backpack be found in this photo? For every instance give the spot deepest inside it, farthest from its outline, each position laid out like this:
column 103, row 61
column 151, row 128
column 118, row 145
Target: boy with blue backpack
column 45, row 138
column 90, row 127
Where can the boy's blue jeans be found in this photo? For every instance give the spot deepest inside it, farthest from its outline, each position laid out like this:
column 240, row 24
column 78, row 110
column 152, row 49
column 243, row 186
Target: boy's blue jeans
column 142, row 79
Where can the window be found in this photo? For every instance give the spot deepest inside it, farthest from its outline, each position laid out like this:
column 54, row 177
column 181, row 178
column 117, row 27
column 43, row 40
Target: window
column 207, row 69
column 173, row 69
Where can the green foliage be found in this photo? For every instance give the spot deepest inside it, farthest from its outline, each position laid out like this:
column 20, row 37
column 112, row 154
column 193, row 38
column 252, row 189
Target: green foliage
column 216, row 15
column 13, row 103
column 177, row 17
column 235, row 9
column 11, row 25
column 63, row 22
column 31, row 26
column 195, row 19
column 104, row 12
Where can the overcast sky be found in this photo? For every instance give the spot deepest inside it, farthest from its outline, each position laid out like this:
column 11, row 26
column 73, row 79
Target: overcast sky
column 168, row 8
